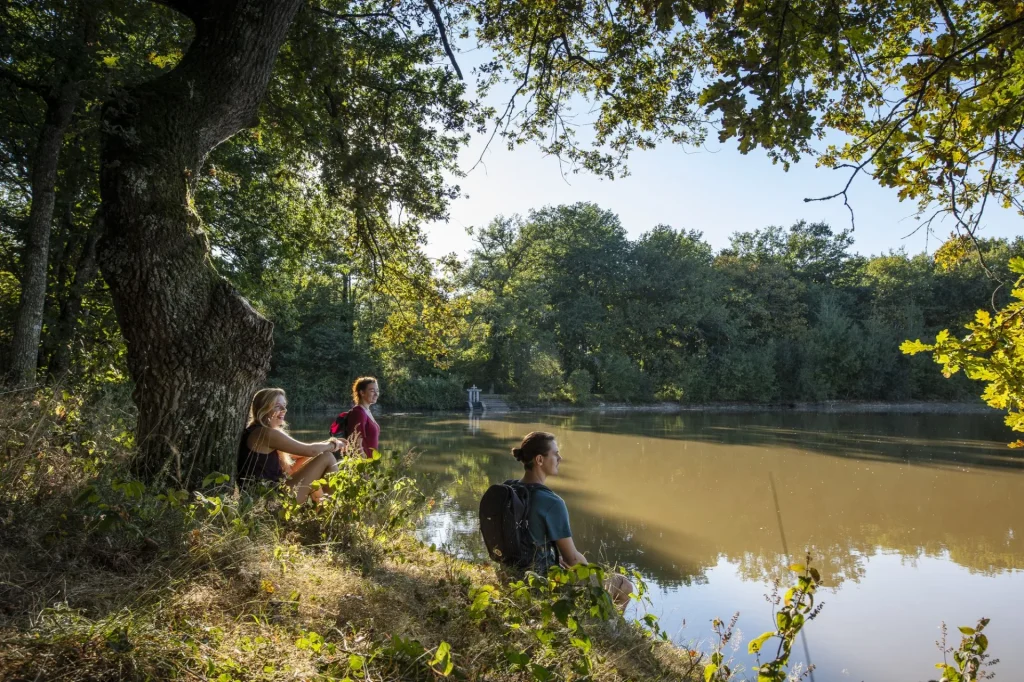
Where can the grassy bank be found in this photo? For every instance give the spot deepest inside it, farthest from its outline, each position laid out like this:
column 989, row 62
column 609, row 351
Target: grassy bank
column 103, row 578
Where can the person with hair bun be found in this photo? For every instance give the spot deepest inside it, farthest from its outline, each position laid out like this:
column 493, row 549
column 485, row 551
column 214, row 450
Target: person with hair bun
column 549, row 517
column 267, row 452
column 365, row 392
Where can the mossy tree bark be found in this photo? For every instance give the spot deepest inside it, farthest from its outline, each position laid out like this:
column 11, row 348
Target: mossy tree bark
column 196, row 349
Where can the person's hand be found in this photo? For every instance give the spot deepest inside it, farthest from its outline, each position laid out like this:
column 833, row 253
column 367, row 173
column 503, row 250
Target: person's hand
column 337, row 445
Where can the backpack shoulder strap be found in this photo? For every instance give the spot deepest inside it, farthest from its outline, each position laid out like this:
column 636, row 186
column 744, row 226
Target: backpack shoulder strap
column 521, row 489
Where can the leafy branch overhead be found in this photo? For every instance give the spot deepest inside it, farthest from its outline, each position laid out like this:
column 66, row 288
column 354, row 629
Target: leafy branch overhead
column 992, row 352
column 927, row 94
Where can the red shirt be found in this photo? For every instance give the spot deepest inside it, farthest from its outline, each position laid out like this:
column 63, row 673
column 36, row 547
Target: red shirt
column 359, row 421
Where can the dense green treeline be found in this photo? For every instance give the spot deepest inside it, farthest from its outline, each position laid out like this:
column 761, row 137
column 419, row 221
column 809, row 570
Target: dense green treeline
column 573, row 307
column 562, row 306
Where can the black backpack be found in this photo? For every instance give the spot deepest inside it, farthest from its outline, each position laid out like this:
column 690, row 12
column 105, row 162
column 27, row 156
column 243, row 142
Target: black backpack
column 505, row 523
column 339, row 429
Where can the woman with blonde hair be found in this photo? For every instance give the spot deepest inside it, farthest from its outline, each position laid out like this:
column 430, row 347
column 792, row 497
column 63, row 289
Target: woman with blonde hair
column 267, row 452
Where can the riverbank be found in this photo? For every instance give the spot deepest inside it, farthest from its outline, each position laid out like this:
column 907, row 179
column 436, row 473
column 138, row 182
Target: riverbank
column 831, row 407
column 836, row 407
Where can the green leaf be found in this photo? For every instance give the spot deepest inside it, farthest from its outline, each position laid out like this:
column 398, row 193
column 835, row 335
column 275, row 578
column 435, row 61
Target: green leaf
column 215, row 478
column 106, row 523
column 756, row 643
column 582, row 643
column 88, row 492
column 966, row 630
column 562, row 608
column 442, row 650
column 709, row 671
column 540, row 673
column 517, row 658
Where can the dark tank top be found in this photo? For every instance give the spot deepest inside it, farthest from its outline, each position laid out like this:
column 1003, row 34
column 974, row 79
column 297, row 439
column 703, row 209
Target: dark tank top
column 254, row 465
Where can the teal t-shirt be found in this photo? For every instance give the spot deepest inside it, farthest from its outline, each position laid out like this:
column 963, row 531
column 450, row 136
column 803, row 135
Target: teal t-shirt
column 549, row 521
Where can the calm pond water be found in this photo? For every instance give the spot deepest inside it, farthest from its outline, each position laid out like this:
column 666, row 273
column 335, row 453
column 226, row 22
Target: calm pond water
column 912, row 520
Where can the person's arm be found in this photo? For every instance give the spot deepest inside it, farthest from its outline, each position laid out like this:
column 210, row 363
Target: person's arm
column 278, row 440
column 557, row 521
column 568, row 554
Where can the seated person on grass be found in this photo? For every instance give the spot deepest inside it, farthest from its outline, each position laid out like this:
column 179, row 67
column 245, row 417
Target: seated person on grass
column 549, row 517
column 268, row 453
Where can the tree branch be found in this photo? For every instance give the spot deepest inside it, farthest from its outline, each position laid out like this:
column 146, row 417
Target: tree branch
column 949, row 20
column 22, row 82
column 356, row 15
column 190, row 8
column 512, row 101
column 444, row 36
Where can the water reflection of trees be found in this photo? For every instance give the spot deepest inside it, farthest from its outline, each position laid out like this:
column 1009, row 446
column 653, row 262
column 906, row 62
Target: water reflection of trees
column 697, row 487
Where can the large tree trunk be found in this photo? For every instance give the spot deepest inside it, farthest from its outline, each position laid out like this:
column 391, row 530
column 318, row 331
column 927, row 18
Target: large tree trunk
column 60, row 107
column 196, row 349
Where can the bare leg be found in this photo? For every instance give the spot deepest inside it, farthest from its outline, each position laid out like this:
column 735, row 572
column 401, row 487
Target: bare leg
column 619, row 587
column 322, row 464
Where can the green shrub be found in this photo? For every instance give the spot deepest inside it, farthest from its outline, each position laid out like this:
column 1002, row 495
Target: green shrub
column 578, row 386
column 366, row 495
column 541, row 378
column 621, row 379
column 747, row 373
column 423, row 393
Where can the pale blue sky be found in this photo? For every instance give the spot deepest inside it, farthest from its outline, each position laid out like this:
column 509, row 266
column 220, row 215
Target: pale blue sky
column 718, row 192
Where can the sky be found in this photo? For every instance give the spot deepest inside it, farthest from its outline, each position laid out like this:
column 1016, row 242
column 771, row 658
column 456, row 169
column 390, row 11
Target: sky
column 715, row 190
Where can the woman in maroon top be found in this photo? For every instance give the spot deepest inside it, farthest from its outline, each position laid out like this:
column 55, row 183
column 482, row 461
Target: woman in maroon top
column 360, row 420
